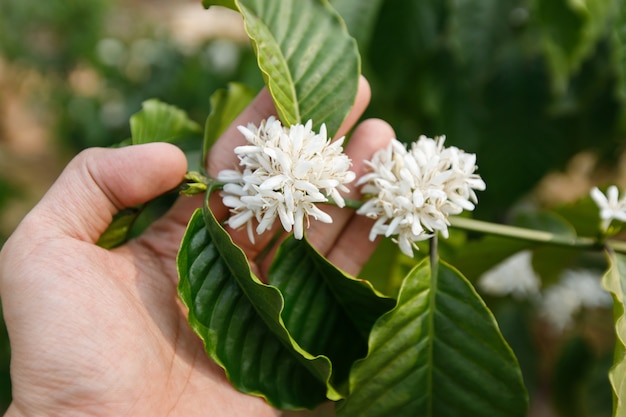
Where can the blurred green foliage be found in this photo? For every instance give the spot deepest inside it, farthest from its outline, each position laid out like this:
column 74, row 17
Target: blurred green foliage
column 524, row 84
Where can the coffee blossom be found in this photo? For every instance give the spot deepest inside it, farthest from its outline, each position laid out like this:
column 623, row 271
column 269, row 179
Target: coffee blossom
column 576, row 290
column 413, row 191
column 611, row 206
column 284, row 172
column 513, row 276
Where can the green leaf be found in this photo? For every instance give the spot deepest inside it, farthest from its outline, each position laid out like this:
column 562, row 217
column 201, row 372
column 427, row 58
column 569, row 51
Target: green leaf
column 437, row 353
column 224, row 3
column 614, row 281
column 161, row 122
column 310, row 63
column 119, row 230
column 238, row 318
column 326, row 311
column 226, row 105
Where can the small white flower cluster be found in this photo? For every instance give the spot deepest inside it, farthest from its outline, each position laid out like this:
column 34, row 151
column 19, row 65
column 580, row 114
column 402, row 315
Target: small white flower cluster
column 413, row 191
column 576, row 290
column 559, row 303
column 611, row 206
column 514, row 276
column 284, row 173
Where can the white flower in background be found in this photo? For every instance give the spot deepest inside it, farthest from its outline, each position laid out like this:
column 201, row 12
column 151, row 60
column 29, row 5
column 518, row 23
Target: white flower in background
column 286, row 171
column 414, row 191
column 576, row 290
column 514, row 276
column 611, row 206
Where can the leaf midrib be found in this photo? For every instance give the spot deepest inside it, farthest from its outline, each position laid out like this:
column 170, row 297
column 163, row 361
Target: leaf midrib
column 432, row 305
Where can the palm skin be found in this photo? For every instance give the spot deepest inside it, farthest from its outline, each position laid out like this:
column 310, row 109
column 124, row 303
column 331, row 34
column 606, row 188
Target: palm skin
column 101, row 332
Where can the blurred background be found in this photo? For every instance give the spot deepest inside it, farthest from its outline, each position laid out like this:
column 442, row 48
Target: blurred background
column 534, row 88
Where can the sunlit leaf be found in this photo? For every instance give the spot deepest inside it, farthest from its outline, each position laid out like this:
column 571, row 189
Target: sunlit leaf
column 161, row 122
column 437, row 353
column 226, row 105
column 326, row 311
column 310, row 63
column 238, row 318
column 614, row 281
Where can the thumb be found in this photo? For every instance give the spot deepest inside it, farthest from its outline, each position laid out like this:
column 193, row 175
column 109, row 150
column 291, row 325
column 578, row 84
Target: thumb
column 98, row 183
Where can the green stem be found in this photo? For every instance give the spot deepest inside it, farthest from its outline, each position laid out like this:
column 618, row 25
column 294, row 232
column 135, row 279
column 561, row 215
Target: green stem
column 472, row 225
column 522, row 234
column 537, row 236
column 349, row 202
column 353, row 204
column 434, row 250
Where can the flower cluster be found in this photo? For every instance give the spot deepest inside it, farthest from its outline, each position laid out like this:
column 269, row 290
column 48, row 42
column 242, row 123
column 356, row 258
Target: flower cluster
column 413, row 191
column 514, row 276
column 577, row 290
column 286, row 171
column 560, row 303
column 611, row 206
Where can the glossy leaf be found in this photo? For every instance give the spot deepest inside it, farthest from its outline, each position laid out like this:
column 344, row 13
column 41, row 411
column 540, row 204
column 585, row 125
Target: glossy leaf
column 161, row 122
column 310, row 63
column 238, row 318
column 437, row 353
column 614, row 281
column 326, row 311
column 226, row 105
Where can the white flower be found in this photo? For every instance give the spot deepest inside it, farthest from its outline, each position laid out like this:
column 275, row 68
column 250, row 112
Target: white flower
column 611, row 207
column 514, row 276
column 286, row 171
column 576, row 290
column 414, row 191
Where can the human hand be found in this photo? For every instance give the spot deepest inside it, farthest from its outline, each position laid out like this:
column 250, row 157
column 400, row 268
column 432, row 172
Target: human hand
column 102, row 332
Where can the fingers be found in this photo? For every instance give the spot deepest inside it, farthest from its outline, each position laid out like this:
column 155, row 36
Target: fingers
column 361, row 102
column 345, row 241
column 98, row 183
